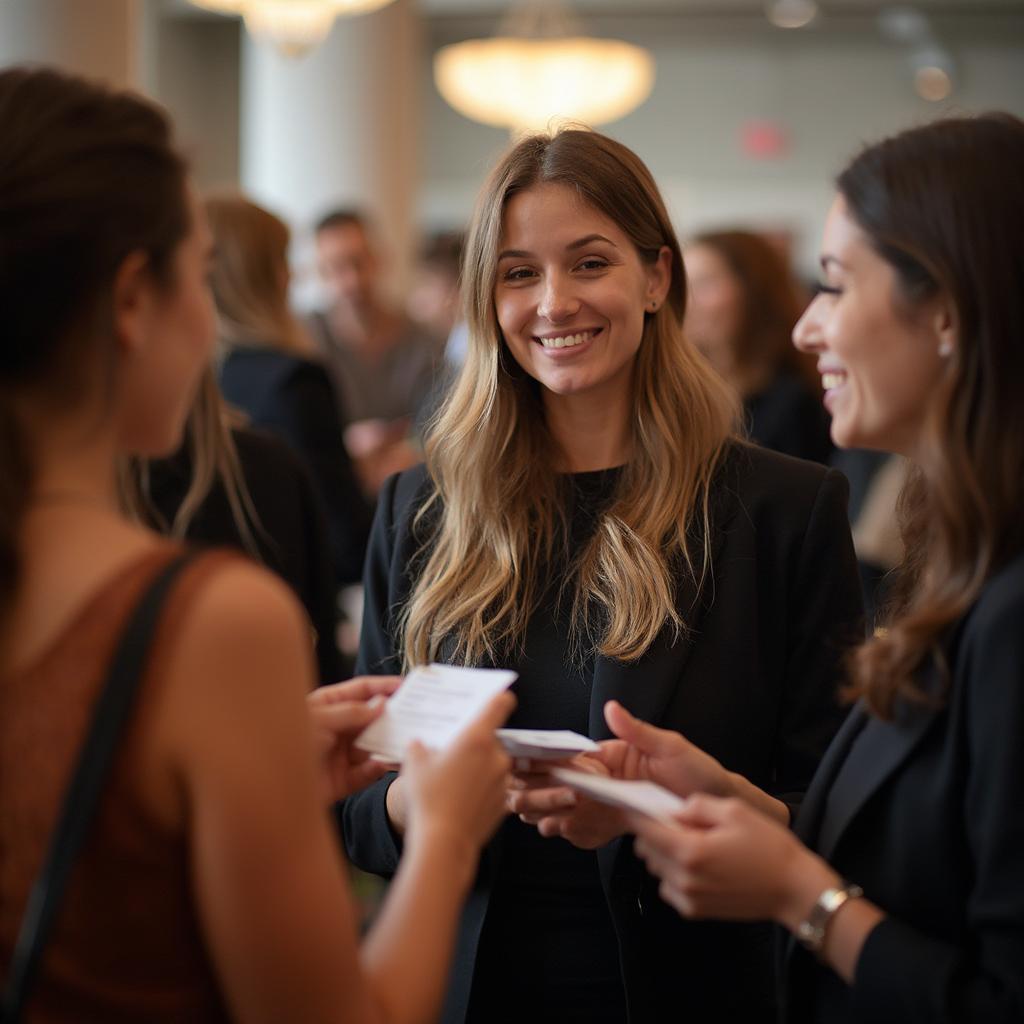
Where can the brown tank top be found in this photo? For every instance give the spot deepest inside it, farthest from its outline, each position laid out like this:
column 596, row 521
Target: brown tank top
column 126, row 944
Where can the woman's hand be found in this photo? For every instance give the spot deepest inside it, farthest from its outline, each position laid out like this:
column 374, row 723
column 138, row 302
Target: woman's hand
column 723, row 858
column 560, row 811
column 662, row 756
column 459, row 791
column 643, row 751
column 338, row 714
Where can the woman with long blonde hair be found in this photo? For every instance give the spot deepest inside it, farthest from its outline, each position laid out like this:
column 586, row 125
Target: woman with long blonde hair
column 588, row 517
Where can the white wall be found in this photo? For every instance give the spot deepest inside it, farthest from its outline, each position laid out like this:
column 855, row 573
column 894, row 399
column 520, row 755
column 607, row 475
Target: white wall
column 831, row 88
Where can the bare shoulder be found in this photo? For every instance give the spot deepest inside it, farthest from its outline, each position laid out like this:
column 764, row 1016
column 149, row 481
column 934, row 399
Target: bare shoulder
column 230, row 681
column 240, row 601
column 242, row 647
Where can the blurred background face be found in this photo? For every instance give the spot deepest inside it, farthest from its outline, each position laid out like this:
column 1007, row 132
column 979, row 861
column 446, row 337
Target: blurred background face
column 347, row 264
column 434, row 300
column 714, row 304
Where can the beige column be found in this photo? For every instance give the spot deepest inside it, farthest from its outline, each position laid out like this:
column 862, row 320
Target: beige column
column 339, row 126
column 99, row 38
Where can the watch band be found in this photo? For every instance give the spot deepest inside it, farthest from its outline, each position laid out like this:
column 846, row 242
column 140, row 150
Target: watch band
column 811, row 931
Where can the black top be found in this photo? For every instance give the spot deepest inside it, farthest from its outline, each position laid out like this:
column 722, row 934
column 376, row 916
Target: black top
column 293, row 539
column 752, row 681
column 293, row 398
column 788, row 417
column 548, row 924
column 925, row 814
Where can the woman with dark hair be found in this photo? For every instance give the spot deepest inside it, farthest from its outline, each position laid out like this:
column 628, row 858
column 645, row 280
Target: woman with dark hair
column 208, row 886
column 743, row 305
column 588, row 517
column 909, row 892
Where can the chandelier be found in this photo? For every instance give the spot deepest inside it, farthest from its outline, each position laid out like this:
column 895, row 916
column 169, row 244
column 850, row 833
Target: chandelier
column 293, row 26
column 540, row 68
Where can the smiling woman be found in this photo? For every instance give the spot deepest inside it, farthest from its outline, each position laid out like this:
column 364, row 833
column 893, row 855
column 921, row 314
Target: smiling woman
column 909, row 892
column 571, row 307
column 588, row 517
column 877, row 356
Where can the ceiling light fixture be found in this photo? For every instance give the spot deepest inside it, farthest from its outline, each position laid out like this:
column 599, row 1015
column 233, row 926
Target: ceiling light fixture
column 293, row 26
column 791, row 13
column 541, row 68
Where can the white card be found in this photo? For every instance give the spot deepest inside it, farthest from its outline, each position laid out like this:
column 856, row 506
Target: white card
column 545, row 744
column 635, row 795
column 433, row 705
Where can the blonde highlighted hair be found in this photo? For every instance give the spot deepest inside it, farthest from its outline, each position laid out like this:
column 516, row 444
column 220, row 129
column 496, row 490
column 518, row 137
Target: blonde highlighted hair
column 497, row 511
column 250, row 275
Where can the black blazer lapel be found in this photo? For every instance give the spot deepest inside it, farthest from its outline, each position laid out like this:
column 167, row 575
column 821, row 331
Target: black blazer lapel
column 812, row 807
column 881, row 748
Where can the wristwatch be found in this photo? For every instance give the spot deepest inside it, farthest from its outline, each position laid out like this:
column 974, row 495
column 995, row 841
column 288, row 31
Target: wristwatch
column 811, row 931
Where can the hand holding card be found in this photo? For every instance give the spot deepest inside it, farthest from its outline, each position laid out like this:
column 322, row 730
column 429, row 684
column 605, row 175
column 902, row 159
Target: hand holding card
column 544, row 744
column 634, row 795
column 433, row 705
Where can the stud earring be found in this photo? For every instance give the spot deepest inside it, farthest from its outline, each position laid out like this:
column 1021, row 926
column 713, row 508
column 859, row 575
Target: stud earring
column 654, row 305
column 945, row 348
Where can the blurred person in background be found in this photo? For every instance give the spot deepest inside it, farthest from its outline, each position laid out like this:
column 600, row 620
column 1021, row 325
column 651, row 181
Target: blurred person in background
column 433, row 300
column 383, row 365
column 743, row 304
column 268, row 369
column 231, row 485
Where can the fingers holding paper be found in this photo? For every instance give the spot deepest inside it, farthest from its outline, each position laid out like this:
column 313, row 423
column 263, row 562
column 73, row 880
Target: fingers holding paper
column 643, row 751
column 461, row 788
column 723, row 858
column 560, row 811
column 338, row 714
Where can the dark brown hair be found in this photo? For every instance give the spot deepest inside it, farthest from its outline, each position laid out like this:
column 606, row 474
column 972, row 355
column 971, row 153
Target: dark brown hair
column 943, row 205
column 772, row 303
column 88, row 176
column 343, row 217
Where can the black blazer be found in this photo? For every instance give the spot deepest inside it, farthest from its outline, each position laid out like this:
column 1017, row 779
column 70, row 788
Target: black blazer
column 752, row 682
column 294, row 399
column 292, row 535
column 931, row 825
column 789, row 418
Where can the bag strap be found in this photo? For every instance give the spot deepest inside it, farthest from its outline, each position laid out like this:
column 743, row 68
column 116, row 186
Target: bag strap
column 82, row 796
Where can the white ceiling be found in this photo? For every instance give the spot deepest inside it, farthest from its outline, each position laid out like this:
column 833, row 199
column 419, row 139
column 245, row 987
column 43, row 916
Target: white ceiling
column 712, row 7
column 448, row 8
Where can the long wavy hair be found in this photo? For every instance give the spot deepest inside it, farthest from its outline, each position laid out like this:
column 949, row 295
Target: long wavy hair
column 772, row 303
column 942, row 204
column 497, row 512
column 250, row 275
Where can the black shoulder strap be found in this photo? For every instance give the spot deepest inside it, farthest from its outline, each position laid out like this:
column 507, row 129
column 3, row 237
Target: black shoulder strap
column 109, row 718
